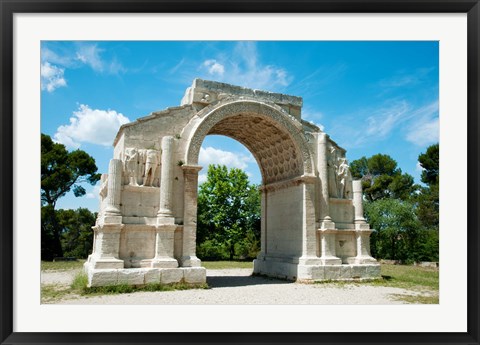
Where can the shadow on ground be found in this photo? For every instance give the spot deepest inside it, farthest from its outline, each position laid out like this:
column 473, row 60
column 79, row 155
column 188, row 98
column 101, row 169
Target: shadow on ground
column 233, row 281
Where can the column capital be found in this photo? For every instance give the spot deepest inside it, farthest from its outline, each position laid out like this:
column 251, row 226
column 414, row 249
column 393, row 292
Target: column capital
column 191, row 168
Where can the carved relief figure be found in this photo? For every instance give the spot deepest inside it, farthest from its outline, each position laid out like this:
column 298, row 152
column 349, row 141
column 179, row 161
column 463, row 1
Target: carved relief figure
column 344, row 179
column 151, row 163
column 332, row 172
column 141, row 167
column 131, row 165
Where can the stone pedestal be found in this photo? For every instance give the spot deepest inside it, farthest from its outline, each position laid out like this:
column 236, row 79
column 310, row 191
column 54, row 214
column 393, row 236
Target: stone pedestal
column 327, row 247
column 164, row 239
column 107, row 244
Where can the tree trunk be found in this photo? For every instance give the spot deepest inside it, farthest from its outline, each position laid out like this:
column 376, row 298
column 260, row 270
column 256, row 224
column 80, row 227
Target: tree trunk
column 57, row 245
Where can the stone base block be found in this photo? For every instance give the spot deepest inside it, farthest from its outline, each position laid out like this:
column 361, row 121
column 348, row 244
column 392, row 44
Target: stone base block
column 275, row 268
column 195, row 275
column 309, row 273
column 342, row 272
column 142, row 276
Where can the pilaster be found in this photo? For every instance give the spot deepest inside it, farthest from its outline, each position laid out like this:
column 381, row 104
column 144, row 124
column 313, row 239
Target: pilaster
column 189, row 257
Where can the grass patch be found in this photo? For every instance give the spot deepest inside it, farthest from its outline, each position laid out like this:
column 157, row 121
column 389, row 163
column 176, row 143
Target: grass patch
column 125, row 288
column 216, row 265
column 408, row 277
column 61, row 265
column 79, row 287
column 417, row 299
column 51, row 293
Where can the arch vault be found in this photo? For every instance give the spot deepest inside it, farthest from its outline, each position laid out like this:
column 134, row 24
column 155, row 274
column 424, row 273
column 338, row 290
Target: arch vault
column 312, row 215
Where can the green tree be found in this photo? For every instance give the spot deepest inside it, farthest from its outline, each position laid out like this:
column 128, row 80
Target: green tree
column 397, row 229
column 430, row 161
column 381, row 178
column 61, row 172
column 428, row 199
column 228, row 213
column 76, row 231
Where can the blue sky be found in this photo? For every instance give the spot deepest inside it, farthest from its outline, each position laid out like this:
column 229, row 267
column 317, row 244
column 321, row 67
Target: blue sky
column 370, row 97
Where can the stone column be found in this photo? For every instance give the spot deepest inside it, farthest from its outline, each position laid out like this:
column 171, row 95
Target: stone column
column 358, row 202
column 109, row 225
column 165, row 229
column 189, row 256
column 114, row 186
column 324, row 204
column 166, row 179
column 362, row 229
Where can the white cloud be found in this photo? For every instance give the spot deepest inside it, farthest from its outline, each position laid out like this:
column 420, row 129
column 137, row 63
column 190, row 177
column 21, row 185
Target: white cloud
column 94, row 193
column 402, row 79
column 210, row 155
column 424, row 132
column 418, row 125
column 419, row 167
column 52, row 77
column 202, row 178
column 214, row 67
column 89, row 54
column 242, row 67
column 383, row 121
column 90, row 126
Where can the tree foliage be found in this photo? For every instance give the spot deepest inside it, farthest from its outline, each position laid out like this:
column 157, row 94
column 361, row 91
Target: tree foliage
column 397, row 229
column 429, row 161
column 228, row 215
column 404, row 215
column 76, row 231
column 381, row 178
column 61, row 172
column 428, row 199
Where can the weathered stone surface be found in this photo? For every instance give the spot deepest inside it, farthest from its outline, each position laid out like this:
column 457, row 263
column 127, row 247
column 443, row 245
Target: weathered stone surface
column 171, row 275
column 195, row 275
column 102, row 277
column 312, row 218
column 132, row 276
column 152, row 276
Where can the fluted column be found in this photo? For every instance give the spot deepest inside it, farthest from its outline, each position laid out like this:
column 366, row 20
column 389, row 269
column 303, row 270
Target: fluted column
column 324, row 204
column 166, row 179
column 114, row 186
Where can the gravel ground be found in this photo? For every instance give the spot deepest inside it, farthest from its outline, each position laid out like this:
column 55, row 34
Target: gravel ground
column 237, row 286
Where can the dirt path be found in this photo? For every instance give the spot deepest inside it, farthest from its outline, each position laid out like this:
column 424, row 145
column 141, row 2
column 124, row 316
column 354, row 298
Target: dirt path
column 237, row 286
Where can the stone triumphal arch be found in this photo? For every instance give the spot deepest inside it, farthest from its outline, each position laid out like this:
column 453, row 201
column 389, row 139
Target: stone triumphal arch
column 312, row 215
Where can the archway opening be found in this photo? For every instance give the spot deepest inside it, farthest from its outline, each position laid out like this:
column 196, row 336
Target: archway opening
column 277, row 147
column 229, row 212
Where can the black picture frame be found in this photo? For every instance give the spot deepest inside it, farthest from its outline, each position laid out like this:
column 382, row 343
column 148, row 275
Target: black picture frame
column 9, row 7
